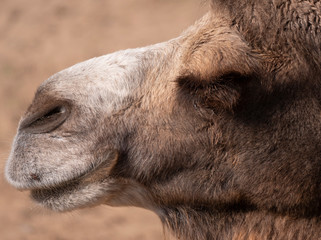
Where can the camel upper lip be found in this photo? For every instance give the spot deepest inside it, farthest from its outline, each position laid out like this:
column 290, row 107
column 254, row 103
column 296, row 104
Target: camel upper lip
column 72, row 181
column 98, row 170
column 37, row 181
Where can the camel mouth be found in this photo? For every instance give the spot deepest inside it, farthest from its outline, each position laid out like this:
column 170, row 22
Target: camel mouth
column 40, row 194
column 96, row 180
column 70, row 196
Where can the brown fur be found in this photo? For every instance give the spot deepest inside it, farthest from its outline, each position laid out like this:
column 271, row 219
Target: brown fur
column 268, row 77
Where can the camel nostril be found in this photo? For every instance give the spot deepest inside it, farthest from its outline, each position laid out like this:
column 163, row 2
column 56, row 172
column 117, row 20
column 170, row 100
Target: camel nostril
column 46, row 121
column 35, row 177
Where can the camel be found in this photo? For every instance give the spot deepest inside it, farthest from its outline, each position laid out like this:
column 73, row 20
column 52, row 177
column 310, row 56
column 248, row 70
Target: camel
column 217, row 131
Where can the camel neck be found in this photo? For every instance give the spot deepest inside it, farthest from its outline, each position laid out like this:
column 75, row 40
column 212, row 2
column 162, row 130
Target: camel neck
column 191, row 224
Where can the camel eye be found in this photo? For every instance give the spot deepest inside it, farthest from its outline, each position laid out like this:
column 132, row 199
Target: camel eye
column 46, row 121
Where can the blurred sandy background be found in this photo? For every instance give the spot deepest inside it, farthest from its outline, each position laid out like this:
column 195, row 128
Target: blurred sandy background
column 41, row 37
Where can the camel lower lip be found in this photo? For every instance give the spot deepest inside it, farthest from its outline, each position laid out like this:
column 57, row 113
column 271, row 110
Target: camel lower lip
column 70, row 195
column 41, row 194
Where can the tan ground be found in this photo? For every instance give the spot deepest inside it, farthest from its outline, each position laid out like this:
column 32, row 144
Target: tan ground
column 41, row 37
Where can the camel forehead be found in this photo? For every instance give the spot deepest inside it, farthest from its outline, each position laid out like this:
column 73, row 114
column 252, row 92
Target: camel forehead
column 109, row 78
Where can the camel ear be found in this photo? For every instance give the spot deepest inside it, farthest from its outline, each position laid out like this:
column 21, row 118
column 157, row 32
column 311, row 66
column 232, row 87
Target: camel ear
column 216, row 68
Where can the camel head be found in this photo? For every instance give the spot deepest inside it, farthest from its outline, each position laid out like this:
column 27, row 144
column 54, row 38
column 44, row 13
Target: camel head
column 223, row 119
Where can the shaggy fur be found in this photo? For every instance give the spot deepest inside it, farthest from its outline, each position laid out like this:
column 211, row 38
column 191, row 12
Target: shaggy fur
column 217, row 131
